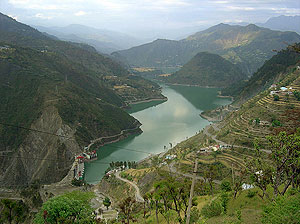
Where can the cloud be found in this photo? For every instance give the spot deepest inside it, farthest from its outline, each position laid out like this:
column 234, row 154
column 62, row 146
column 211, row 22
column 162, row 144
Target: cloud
column 14, row 17
column 240, row 8
column 42, row 16
column 149, row 15
column 80, row 13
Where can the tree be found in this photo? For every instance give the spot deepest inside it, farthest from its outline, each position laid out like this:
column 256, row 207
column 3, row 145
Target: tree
column 106, row 202
column 127, row 210
column 283, row 167
column 238, row 182
column 283, row 210
column 259, row 172
column 285, row 155
column 172, row 195
column 209, row 175
column 73, row 207
column 12, row 211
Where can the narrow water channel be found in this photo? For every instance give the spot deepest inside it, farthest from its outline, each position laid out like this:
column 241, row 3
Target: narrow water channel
column 168, row 122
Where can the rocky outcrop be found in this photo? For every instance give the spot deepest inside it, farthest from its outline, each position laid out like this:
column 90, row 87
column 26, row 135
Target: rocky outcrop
column 42, row 156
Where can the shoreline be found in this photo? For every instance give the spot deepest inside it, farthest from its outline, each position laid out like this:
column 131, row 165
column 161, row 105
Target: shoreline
column 148, row 100
column 231, row 97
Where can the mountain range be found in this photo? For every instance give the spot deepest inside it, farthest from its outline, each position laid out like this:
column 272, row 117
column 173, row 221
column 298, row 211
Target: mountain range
column 283, row 23
column 246, row 46
column 104, row 41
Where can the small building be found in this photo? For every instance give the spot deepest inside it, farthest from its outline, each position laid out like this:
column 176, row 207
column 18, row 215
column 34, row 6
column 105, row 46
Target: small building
column 283, row 88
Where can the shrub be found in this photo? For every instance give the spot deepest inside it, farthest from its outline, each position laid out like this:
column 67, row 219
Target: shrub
column 297, row 95
column 276, row 123
column 226, row 186
column 77, row 183
column 215, row 208
column 251, row 194
column 276, row 98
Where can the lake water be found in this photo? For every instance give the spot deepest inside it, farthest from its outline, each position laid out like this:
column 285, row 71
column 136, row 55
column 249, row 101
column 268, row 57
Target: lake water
column 162, row 123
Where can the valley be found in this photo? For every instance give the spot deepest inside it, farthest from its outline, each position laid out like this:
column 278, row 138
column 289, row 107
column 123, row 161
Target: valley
column 199, row 130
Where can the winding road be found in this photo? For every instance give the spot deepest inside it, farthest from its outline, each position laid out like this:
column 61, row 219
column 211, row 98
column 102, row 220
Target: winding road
column 138, row 196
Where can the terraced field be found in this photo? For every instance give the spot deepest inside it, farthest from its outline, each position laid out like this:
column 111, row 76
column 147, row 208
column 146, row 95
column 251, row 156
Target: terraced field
column 262, row 115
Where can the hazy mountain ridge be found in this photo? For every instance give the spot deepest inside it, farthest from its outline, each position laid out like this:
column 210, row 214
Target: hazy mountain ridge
column 206, row 69
column 283, row 23
column 247, row 46
column 105, row 41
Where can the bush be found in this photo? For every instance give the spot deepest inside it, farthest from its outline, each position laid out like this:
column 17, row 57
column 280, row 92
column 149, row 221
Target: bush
column 225, row 186
column 215, row 208
column 251, row 194
column 224, row 201
column 276, row 98
column 297, row 95
column 276, row 123
column 77, row 183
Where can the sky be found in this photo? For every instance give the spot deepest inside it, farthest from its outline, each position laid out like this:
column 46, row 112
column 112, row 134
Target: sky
column 142, row 16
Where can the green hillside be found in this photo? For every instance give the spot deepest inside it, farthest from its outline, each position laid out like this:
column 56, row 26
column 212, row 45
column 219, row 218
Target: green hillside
column 61, row 88
column 13, row 32
column 270, row 73
column 247, row 46
column 206, row 69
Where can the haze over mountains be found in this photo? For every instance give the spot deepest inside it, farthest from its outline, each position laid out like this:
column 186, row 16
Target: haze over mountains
column 283, row 23
column 105, row 41
column 246, row 46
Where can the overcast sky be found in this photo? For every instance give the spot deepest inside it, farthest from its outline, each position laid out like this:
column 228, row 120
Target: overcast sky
column 141, row 15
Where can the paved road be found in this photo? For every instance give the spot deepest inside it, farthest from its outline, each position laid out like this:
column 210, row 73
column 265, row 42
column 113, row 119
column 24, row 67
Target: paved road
column 138, row 196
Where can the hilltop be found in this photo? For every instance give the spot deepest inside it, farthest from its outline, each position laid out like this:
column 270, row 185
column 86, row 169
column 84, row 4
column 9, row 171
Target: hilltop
column 246, row 46
column 206, row 69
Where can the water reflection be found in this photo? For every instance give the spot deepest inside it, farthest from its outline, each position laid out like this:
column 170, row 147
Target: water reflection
column 168, row 122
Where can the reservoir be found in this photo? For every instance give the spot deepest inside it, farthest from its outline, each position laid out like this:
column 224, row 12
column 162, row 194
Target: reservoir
column 163, row 123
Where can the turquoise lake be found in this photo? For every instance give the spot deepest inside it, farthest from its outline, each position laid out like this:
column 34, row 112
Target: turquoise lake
column 163, row 123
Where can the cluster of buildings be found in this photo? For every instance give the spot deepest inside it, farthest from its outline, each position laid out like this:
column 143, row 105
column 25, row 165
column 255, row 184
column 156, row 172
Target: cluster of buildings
column 78, row 166
column 213, row 148
column 282, row 89
column 170, row 157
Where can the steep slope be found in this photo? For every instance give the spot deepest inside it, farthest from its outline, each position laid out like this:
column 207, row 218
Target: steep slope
column 247, row 46
column 36, row 94
column 55, row 98
column 13, row 32
column 262, row 115
column 270, row 73
column 206, row 69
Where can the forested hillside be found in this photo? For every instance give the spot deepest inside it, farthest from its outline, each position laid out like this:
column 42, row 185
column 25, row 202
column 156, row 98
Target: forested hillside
column 206, row 69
